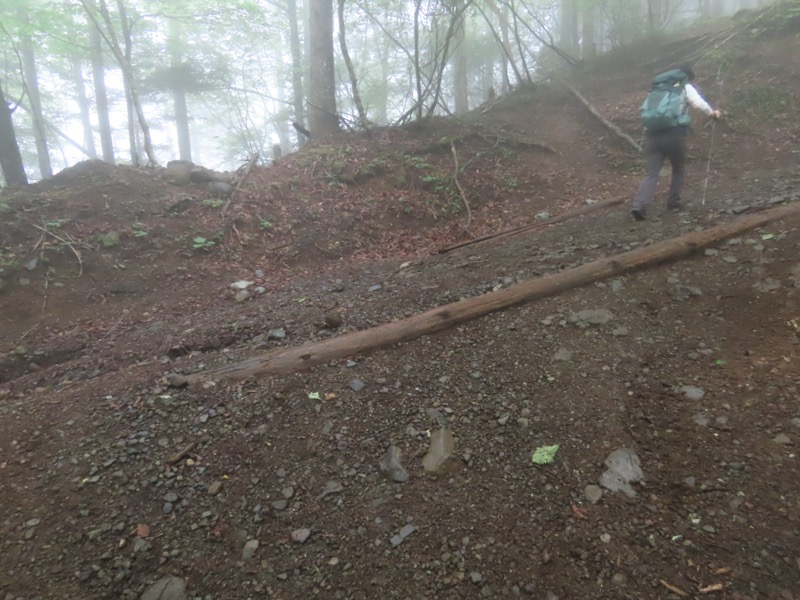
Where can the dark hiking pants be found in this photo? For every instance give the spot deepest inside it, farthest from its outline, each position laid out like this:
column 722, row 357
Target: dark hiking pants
column 671, row 145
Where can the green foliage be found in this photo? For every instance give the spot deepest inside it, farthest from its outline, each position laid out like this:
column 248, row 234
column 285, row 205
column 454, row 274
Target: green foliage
column 201, row 243
column 213, row 202
column 265, row 224
column 139, row 230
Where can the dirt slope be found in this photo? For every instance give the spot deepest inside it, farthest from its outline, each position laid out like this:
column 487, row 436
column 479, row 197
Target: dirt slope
column 112, row 482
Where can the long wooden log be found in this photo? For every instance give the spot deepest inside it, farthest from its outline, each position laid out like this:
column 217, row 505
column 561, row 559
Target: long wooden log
column 311, row 354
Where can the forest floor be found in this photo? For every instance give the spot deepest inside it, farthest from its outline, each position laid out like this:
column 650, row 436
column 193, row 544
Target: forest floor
column 115, row 485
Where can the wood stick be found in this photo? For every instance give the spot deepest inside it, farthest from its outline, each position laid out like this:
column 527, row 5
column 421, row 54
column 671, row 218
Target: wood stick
column 602, row 119
column 308, row 355
column 539, row 224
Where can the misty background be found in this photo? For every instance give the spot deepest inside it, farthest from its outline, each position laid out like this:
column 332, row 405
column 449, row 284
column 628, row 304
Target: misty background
column 148, row 81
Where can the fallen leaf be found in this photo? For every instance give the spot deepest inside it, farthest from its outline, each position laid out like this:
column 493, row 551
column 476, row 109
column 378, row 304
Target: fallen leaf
column 544, row 455
column 579, row 512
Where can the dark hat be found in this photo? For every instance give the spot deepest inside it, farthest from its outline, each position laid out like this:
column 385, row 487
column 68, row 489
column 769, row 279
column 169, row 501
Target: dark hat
column 686, row 68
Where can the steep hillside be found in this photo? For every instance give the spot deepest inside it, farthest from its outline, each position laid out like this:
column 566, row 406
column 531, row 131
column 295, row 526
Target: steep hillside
column 682, row 378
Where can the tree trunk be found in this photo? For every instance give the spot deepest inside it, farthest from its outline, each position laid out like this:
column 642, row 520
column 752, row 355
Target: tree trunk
column 460, row 92
column 569, row 26
column 10, row 157
column 83, row 105
column 179, row 91
column 32, row 85
column 309, row 355
column 100, row 96
column 297, row 65
column 417, row 68
column 588, row 45
column 322, row 117
column 362, row 114
column 125, row 65
column 133, row 142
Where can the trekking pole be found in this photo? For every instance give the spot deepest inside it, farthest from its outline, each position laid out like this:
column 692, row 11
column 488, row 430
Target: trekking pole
column 708, row 163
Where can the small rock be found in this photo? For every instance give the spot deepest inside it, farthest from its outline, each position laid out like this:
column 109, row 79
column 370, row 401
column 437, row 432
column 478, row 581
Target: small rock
column 249, row 549
column 401, row 535
column 357, row 385
column 215, row 488
column 782, row 438
column 391, row 467
column 693, row 392
column 300, row 535
column 593, row 493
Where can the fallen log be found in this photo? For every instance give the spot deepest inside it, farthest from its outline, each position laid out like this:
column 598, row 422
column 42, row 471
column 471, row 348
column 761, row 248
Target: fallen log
column 311, row 354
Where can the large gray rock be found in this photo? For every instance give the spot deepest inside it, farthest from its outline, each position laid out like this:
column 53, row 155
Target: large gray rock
column 166, row 588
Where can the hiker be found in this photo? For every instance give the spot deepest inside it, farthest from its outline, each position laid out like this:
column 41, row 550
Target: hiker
column 666, row 122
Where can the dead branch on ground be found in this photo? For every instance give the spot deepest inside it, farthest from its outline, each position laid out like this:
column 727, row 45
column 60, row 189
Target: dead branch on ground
column 538, row 225
column 458, row 185
column 244, row 171
column 609, row 125
column 309, row 355
column 71, row 244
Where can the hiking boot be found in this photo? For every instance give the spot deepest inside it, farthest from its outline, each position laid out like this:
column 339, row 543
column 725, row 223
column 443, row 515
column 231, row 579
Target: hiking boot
column 675, row 206
column 639, row 214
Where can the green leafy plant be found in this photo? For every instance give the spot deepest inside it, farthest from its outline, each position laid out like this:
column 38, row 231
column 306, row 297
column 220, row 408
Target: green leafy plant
column 139, row 230
column 201, row 243
column 265, row 224
column 213, row 202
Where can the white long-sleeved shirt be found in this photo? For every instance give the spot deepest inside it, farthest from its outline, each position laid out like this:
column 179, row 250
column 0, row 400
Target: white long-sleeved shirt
column 695, row 100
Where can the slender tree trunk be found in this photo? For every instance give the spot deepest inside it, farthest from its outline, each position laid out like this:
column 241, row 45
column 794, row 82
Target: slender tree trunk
column 10, row 157
column 32, row 85
column 569, row 26
column 362, row 115
column 83, row 105
column 504, row 34
column 460, row 92
column 297, row 65
column 100, row 96
column 417, row 69
column 133, row 145
column 127, row 71
column 322, row 117
column 382, row 93
column 588, row 47
column 179, row 92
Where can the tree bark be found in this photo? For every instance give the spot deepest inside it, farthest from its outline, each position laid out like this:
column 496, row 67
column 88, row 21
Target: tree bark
column 32, row 85
column 100, row 96
column 460, row 91
column 362, row 114
column 322, row 118
column 297, row 65
column 309, row 355
column 10, row 157
column 179, row 92
column 83, row 105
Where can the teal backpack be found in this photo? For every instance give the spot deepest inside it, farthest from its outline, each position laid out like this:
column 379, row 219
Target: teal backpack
column 665, row 105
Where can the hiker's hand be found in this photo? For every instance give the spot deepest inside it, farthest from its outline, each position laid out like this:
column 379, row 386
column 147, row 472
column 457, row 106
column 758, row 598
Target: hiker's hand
column 716, row 115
